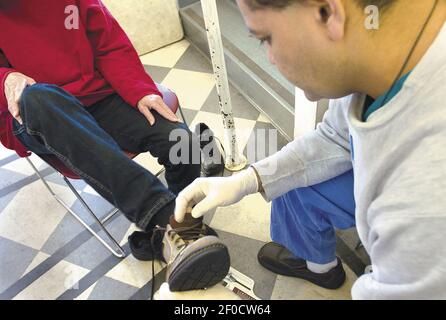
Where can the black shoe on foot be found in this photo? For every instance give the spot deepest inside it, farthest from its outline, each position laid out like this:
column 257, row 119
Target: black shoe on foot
column 280, row 260
column 212, row 161
column 142, row 248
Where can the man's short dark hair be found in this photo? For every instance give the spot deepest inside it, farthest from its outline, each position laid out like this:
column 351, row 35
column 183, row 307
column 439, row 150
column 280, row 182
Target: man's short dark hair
column 280, row 4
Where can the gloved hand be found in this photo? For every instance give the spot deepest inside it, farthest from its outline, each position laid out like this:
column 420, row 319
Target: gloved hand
column 15, row 84
column 217, row 292
column 209, row 193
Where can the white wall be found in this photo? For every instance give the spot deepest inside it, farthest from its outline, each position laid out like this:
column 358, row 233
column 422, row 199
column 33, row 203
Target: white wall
column 150, row 24
column 305, row 114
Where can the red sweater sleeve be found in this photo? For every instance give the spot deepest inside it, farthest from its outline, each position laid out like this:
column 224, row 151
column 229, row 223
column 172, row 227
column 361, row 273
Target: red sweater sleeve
column 115, row 56
column 6, row 136
column 5, row 70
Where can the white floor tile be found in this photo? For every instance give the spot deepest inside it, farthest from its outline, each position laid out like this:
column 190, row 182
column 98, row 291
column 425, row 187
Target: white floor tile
column 250, row 218
column 192, row 88
column 34, row 214
column 22, row 166
column 52, row 284
column 149, row 162
column 166, row 57
column 130, row 230
column 4, row 153
column 134, row 272
column 90, row 190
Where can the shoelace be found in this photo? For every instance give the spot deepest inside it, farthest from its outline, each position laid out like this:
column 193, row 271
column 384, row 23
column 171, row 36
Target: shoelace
column 187, row 234
column 191, row 233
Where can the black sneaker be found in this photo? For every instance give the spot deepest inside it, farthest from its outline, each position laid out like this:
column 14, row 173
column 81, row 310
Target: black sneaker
column 280, row 260
column 212, row 161
column 142, row 248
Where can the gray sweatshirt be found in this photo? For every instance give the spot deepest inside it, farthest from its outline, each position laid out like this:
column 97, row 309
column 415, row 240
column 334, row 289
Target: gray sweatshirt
column 399, row 164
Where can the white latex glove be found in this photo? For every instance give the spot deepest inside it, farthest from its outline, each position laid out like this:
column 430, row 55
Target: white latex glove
column 217, row 292
column 209, row 193
column 15, row 84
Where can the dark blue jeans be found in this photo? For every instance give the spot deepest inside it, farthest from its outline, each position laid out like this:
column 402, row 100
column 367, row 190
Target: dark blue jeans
column 90, row 140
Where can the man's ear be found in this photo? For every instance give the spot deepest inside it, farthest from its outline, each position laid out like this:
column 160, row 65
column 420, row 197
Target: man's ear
column 331, row 14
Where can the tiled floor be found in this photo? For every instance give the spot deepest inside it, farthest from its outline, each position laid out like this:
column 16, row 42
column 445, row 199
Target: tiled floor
column 46, row 254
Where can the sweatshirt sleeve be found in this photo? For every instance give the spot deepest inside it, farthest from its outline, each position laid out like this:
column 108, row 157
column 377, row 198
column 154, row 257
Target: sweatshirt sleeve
column 115, row 57
column 316, row 157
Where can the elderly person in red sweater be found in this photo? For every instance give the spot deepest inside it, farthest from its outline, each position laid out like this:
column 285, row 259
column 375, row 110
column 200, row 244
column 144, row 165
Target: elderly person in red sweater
column 80, row 92
column 83, row 95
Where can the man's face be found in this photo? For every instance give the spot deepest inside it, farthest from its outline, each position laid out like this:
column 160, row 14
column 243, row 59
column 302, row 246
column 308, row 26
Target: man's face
column 299, row 44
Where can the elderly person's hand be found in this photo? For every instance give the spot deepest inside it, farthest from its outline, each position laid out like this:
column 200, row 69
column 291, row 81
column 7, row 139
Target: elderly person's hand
column 15, row 83
column 155, row 102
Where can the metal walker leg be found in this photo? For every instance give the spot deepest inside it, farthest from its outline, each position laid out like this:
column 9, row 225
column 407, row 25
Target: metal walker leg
column 118, row 252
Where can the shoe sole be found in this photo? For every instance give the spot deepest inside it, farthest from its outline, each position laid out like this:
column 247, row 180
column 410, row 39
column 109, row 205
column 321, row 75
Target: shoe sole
column 202, row 269
column 336, row 284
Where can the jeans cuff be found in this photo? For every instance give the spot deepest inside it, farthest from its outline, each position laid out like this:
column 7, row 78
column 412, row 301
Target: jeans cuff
column 159, row 205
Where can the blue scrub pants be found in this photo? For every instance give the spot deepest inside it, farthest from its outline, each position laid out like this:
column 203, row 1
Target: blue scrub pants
column 304, row 219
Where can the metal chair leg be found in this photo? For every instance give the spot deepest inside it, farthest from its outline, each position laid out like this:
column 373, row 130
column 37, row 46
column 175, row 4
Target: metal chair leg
column 182, row 116
column 118, row 252
column 160, row 172
column 109, row 215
